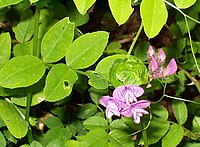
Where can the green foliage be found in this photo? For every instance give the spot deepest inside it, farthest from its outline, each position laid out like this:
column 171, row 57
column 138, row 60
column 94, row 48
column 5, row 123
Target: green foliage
column 83, row 6
column 86, row 50
column 63, row 33
column 2, row 140
column 173, row 136
column 152, row 20
column 182, row 4
column 95, row 122
column 121, row 10
column 59, row 82
column 12, row 115
column 180, row 111
column 4, row 3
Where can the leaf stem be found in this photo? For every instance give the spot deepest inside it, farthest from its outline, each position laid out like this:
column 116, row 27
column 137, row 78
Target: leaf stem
column 181, row 99
column 144, row 135
column 81, row 72
column 192, row 50
column 134, row 40
column 36, row 50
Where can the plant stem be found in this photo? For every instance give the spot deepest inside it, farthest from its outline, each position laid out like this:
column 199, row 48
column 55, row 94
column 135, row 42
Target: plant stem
column 192, row 50
column 144, row 135
column 28, row 106
column 134, row 40
column 181, row 99
column 195, row 81
column 36, row 50
column 81, row 72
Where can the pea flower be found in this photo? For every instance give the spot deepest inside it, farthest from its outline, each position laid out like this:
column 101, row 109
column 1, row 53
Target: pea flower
column 156, row 62
column 124, row 102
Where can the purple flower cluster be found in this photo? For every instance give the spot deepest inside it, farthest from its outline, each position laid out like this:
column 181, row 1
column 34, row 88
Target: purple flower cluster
column 124, row 102
column 156, row 62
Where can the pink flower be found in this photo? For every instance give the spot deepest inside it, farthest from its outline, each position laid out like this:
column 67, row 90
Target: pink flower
column 124, row 102
column 136, row 110
column 156, row 62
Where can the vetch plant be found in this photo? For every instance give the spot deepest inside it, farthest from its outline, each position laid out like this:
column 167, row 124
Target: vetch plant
column 156, row 64
column 124, row 102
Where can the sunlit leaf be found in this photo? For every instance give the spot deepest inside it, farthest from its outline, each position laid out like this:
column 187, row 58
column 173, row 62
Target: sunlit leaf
column 121, row 10
column 13, row 119
column 95, row 122
column 5, row 48
column 183, row 4
column 86, row 50
column 21, row 71
column 151, row 19
column 173, row 137
column 2, row 140
column 4, row 3
column 57, row 40
column 83, row 6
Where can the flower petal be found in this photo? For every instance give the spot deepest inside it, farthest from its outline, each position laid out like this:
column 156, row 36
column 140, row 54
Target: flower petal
column 151, row 51
column 142, row 104
column 171, row 68
column 161, row 57
column 153, row 65
column 138, row 91
column 104, row 100
column 109, row 113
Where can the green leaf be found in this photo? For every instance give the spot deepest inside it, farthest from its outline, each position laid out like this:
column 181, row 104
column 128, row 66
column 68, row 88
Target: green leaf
column 33, row 1
column 56, row 41
column 59, row 82
column 2, row 140
column 35, row 144
column 121, row 10
column 183, row 4
column 9, row 136
column 96, row 80
column 173, row 137
column 152, row 20
column 73, row 143
column 83, row 6
column 13, row 119
column 95, row 94
column 105, row 64
column 156, row 130
column 25, row 28
column 95, row 122
column 56, row 133
column 141, row 49
column 196, row 124
column 23, row 49
column 159, row 111
column 119, row 124
column 120, row 138
column 5, row 48
column 192, row 144
column 86, row 111
column 4, row 3
column 128, row 71
column 180, row 111
column 53, row 122
column 21, row 71
column 94, row 138
column 86, row 50
column 56, row 143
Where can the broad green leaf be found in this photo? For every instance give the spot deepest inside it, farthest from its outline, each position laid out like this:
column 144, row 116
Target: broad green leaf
column 119, row 124
column 141, row 49
column 95, row 122
column 83, row 6
column 35, row 144
column 73, row 143
column 183, row 4
column 86, row 50
column 180, row 111
column 156, row 130
column 120, row 138
column 25, row 28
column 86, row 111
column 192, row 144
column 56, row 41
column 75, row 16
column 21, row 71
column 96, row 80
column 95, row 94
column 33, row 1
column 13, row 119
column 4, row 3
column 173, row 137
column 59, row 82
column 5, row 48
column 53, row 122
column 196, row 124
column 59, row 142
column 9, row 136
column 56, row 133
column 2, row 140
column 128, row 71
column 121, row 10
column 151, row 19
column 105, row 64
column 94, row 138
column 23, row 49
column 159, row 111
